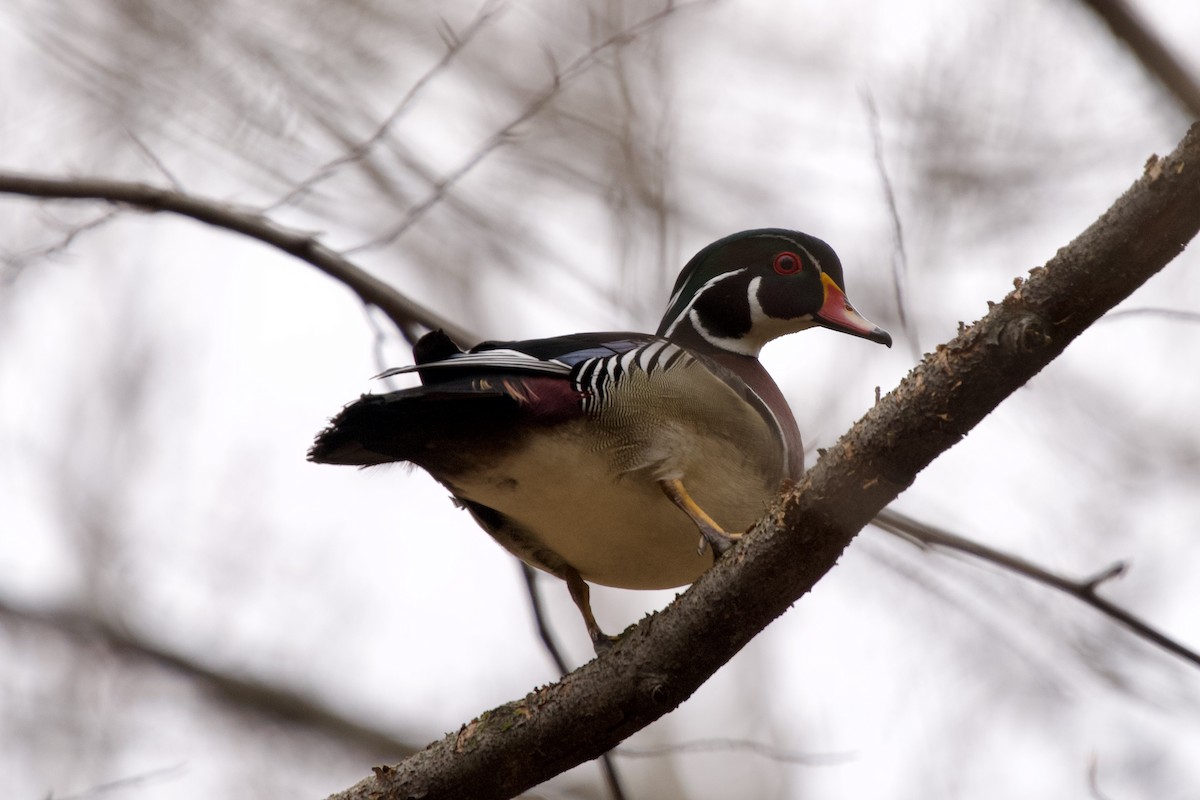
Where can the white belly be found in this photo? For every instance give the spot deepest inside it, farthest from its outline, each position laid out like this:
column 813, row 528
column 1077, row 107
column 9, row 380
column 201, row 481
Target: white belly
column 619, row 529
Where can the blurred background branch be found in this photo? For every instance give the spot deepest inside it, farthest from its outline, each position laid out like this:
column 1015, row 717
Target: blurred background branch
column 929, row 537
column 304, row 246
column 1157, row 59
column 158, row 384
column 404, row 313
column 244, row 695
column 661, row 663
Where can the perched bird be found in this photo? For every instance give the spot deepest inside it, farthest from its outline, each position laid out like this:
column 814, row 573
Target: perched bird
column 599, row 456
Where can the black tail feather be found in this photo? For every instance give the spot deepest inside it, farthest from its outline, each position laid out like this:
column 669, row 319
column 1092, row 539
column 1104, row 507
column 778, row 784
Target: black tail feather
column 427, row 425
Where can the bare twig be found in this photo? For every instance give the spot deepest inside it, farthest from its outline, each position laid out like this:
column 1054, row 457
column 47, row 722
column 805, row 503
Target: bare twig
column 559, row 79
column 769, row 752
column 609, row 769
column 899, row 252
column 1093, row 778
column 662, row 660
column 455, row 43
column 18, row 260
column 612, row 778
column 540, row 620
column 929, row 536
column 1174, row 314
column 157, row 162
column 658, row 663
column 143, row 779
column 1111, row 572
column 301, row 244
column 1158, row 60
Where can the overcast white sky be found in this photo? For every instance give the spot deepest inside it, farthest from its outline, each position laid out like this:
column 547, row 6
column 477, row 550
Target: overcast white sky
column 185, row 508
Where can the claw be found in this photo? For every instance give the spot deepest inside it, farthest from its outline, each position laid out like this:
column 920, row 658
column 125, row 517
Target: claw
column 581, row 594
column 602, row 642
column 710, row 532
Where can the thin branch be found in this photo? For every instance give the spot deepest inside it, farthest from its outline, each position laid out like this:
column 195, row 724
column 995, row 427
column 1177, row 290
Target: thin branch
column 303, row 245
column 612, row 779
column 1155, row 56
column 899, row 252
column 154, row 160
column 662, row 660
column 559, row 79
column 1174, row 314
column 1093, row 778
column 769, row 752
column 1111, row 572
column 931, row 537
column 529, row 575
column 539, row 617
column 455, row 43
column 120, row 784
column 242, row 694
column 19, row 260
column 665, row 658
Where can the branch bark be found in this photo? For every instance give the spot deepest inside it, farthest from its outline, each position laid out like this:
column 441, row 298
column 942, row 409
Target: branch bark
column 661, row 661
column 664, row 659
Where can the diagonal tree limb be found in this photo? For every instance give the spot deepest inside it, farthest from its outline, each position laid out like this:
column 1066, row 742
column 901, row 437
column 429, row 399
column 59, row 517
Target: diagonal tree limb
column 247, row 221
column 402, row 311
column 929, row 537
column 934, row 407
column 662, row 660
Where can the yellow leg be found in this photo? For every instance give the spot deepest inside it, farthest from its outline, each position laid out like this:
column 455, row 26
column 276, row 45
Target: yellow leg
column 581, row 594
column 710, row 531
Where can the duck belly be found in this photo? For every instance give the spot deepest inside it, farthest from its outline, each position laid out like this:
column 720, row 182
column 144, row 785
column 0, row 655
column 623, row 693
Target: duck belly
column 565, row 501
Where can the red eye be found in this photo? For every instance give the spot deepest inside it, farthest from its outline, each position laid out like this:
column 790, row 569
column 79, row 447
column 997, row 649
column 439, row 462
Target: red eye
column 787, row 263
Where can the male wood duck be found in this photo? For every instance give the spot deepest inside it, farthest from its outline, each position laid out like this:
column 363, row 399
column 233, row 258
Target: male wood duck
column 599, row 456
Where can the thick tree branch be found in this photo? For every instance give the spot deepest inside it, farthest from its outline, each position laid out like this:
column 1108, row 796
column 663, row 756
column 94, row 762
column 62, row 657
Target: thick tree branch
column 247, row 221
column 660, row 664
column 661, row 661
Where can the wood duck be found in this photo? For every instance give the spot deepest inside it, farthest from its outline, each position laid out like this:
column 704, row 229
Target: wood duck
column 599, row 456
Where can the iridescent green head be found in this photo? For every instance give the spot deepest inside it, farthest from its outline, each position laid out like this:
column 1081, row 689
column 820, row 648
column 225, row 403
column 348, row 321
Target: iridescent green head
column 742, row 291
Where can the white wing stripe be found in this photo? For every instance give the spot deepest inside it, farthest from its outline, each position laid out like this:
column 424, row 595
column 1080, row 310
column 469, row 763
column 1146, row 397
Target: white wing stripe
column 489, row 359
column 647, row 355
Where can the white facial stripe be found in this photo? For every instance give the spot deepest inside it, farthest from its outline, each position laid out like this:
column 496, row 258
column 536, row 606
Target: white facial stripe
column 687, row 311
column 764, row 328
column 811, row 258
column 734, row 345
